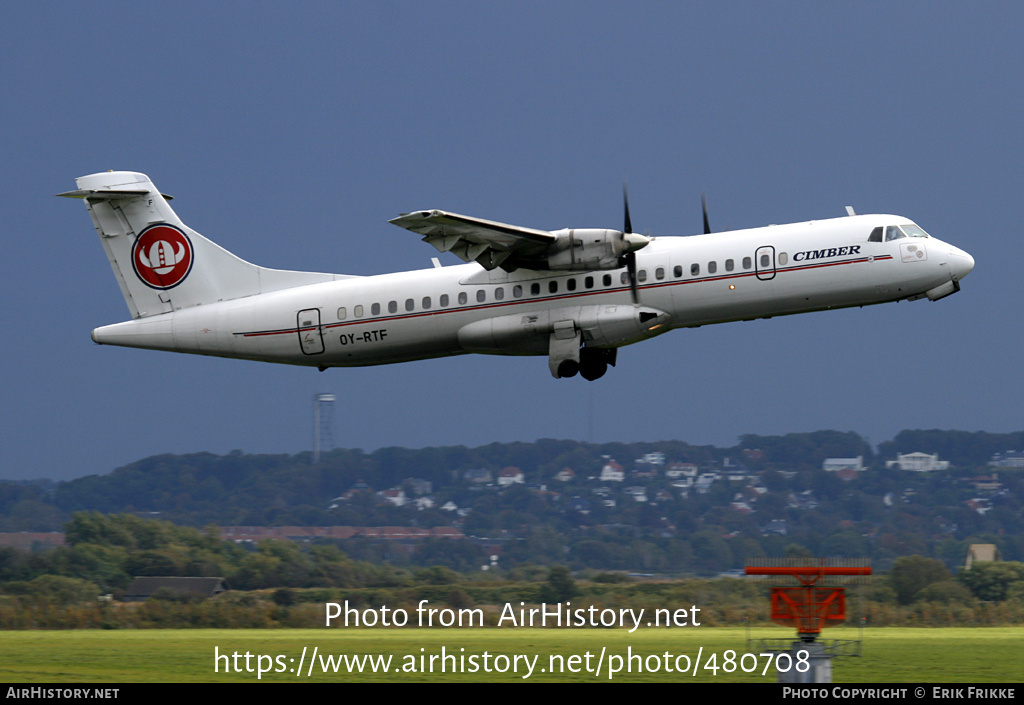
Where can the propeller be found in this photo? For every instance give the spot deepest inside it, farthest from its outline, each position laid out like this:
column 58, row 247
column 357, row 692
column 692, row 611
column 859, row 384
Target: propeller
column 704, row 207
column 634, row 242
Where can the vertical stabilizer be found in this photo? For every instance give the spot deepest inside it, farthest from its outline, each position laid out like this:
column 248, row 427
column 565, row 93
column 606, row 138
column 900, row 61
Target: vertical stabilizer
column 160, row 263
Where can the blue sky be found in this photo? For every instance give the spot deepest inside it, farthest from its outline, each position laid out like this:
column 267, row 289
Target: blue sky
column 290, row 133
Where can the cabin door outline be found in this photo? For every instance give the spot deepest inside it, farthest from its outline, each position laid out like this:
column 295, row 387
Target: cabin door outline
column 311, row 336
column 764, row 262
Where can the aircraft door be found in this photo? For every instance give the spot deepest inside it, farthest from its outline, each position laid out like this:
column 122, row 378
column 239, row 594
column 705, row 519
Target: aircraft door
column 311, row 337
column 764, row 262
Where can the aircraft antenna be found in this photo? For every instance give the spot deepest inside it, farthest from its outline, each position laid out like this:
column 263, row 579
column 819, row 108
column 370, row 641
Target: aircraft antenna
column 323, row 411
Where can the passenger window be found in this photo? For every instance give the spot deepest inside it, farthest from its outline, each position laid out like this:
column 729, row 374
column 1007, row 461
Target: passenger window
column 765, row 261
column 606, row 280
column 876, row 235
column 625, row 277
column 410, row 304
column 444, row 300
column 783, row 258
column 481, row 295
column 517, row 291
column 694, row 269
column 535, row 289
column 553, row 286
column 341, row 313
column 392, row 306
column 659, row 273
column 499, row 293
column 358, row 311
column 588, row 282
column 463, row 298
column 712, row 267
column 426, row 302
column 729, row 265
column 571, row 285
column 375, row 310
column 641, row 275
column 746, row 263
column 677, row 271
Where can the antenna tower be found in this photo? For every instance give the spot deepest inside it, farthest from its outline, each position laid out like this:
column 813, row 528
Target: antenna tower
column 323, row 406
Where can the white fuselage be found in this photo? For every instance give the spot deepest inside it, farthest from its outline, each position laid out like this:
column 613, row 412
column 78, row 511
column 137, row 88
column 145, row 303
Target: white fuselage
column 683, row 282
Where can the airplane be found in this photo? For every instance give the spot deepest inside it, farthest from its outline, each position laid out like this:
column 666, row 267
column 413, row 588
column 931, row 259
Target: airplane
column 573, row 295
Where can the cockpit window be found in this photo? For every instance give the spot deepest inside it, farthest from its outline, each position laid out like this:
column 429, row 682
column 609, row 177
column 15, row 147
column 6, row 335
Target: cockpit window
column 914, row 230
column 876, row 235
column 893, row 233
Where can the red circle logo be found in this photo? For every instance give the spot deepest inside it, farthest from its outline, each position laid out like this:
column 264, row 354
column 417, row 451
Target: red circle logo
column 162, row 256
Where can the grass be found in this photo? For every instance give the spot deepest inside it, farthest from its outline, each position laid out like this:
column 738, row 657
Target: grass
column 890, row 655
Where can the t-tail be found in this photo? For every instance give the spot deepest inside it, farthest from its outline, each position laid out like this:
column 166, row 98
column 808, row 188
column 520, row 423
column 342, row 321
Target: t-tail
column 160, row 263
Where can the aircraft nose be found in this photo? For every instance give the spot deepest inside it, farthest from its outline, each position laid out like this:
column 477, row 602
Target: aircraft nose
column 960, row 263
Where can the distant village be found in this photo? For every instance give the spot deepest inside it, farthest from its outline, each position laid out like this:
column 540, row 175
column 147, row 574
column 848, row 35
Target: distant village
column 655, row 479
column 700, row 509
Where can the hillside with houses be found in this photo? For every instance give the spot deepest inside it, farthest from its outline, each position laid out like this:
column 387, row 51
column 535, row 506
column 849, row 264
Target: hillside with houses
column 643, row 507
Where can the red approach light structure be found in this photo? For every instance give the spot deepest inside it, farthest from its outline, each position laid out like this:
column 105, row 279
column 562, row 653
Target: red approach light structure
column 809, row 607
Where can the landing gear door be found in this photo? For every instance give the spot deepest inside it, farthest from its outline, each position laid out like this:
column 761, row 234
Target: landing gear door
column 764, row 262
column 311, row 336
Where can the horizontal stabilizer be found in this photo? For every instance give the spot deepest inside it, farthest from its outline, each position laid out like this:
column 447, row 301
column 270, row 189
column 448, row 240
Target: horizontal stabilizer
column 109, row 194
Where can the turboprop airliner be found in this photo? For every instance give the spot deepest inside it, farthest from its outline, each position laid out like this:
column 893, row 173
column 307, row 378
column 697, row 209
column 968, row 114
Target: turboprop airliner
column 573, row 295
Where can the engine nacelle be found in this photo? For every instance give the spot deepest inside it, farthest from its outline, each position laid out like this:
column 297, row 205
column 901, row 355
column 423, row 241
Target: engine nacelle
column 613, row 326
column 601, row 326
column 591, row 248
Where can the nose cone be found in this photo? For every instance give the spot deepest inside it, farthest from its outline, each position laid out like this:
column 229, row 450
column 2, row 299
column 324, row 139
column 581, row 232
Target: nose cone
column 960, row 263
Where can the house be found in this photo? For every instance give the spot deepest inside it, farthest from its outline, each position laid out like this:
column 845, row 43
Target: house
column 705, row 481
column 917, row 462
column 754, row 455
column 565, row 475
column 676, row 470
column 846, row 474
column 1009, row 459
column 612, row 472
column 979, row 504
column 395, row 496
column 836, row 464
column 984, row 483
column 982, row 553
column 143, row 588
column 637, row 492
column 510, row 476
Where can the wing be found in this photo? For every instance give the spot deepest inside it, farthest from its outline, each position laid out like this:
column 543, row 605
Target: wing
column 485, row 241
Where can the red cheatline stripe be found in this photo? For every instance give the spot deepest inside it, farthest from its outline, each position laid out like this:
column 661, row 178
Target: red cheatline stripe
column 560, row 297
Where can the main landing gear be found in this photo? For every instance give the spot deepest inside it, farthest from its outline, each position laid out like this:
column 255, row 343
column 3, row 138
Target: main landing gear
column 567, row 357
column 593, row 363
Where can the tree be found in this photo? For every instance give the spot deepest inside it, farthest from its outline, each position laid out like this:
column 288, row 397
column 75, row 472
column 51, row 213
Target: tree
column 911, row 574
column 560, row 585
column 994, row 581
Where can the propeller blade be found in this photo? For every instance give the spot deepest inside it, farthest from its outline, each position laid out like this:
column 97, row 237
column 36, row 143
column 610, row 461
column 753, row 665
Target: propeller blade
column 631, row 269
column 628, row 228
column 704, row 207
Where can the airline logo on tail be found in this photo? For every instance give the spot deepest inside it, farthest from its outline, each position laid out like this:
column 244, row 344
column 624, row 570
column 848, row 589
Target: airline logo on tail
column 162, row 256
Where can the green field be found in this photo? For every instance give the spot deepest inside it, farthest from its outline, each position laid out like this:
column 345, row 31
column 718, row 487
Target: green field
column 889, row 655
